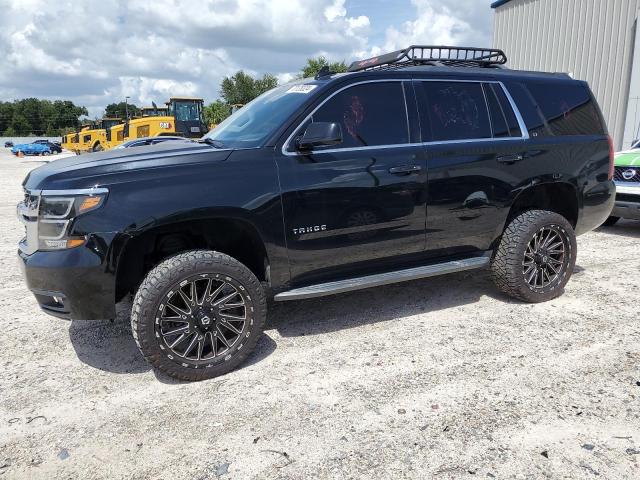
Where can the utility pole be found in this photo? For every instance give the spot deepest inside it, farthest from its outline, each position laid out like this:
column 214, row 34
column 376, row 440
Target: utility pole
column 126, row 108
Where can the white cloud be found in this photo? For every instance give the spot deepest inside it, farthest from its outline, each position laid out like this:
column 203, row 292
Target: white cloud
column 95, row 52
column 452, row 22
column 335, row 10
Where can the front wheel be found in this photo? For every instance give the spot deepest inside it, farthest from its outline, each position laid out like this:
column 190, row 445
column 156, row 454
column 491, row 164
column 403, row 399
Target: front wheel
column 535, row 257
column 198, row 315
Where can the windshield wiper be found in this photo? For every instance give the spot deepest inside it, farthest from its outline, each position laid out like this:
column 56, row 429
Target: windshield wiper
column 212, row 142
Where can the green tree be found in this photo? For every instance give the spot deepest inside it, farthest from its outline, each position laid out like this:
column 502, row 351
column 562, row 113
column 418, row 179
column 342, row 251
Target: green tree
column 20, row 125
column 120, row 109
column 6, row 114
column 37, row 117
column 241, row 88
column 314, row 65
column 66, row 115
column 216, row 112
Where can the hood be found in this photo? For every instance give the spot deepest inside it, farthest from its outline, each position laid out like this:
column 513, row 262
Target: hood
column 630, row 158
column 94, row 169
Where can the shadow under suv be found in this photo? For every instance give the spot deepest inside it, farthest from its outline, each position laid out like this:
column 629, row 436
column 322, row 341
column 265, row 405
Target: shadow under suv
column 420, row 162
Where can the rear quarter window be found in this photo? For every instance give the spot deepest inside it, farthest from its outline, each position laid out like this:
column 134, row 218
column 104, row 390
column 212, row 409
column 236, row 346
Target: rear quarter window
column 567, row 108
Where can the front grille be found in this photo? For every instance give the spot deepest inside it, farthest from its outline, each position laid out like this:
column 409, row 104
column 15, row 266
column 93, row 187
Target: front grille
column 632, row 174
column 624, row 197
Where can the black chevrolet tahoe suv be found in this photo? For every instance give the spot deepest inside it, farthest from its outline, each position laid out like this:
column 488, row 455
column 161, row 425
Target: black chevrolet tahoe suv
column 417, row 163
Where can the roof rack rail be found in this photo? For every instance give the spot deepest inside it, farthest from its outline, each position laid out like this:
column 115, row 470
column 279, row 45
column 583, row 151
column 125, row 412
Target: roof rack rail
column 433, row 55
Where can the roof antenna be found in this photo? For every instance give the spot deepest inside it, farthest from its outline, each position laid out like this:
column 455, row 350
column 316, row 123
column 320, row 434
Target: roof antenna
column 325, row 71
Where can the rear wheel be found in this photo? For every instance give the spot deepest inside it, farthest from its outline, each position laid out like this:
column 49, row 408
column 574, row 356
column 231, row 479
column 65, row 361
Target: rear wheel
column 536, row 256
column 97, row 147
column 611, row 221
column 198, row 315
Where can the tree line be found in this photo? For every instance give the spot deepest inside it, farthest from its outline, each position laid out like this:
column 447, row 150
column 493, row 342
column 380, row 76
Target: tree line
column 54, row 118
column 39, row 117
column 241, row 88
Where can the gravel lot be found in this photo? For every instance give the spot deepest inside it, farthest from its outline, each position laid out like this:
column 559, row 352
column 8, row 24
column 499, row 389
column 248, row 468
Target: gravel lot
column 439, row 378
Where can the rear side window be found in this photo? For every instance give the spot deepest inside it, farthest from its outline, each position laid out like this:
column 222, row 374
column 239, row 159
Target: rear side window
column 369, row 114
column 528, row 108
column 456, row 111
column 503, row 120
column 568, row 108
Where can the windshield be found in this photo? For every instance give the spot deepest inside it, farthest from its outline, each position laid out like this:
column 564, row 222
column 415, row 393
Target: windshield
column 187, row 111
column 251, row 125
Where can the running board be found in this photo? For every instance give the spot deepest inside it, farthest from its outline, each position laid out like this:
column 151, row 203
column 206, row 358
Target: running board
column 322, row 289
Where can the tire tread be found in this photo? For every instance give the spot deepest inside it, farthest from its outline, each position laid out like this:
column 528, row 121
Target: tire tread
column 169, row 272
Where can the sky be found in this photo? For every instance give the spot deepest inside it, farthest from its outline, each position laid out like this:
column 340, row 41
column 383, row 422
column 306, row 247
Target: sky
column 97, row 52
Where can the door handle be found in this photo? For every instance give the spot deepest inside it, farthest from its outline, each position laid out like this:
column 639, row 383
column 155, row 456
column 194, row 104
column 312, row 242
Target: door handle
column 510, row 159
column 405, row 169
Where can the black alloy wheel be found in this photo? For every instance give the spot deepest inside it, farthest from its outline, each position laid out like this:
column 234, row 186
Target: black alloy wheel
column 198, row 315
column 544, row 259
column 535, row 257
column 202, row 318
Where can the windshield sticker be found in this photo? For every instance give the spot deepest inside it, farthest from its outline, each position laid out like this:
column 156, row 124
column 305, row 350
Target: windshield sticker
column 301, row 88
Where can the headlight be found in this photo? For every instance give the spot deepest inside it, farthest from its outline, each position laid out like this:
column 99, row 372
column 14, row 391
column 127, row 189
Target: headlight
column 56, row 214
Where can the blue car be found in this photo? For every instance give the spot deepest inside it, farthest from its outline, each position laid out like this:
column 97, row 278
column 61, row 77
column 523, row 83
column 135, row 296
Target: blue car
column 31, row 149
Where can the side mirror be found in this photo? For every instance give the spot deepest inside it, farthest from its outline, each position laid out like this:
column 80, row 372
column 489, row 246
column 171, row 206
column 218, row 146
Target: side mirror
column 320, row 134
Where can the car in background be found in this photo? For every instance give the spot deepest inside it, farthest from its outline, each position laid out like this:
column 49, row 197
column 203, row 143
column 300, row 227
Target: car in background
column 627, row 178
column 8, row 144
column 140, row 142
column 31, row 149
column 54, row 147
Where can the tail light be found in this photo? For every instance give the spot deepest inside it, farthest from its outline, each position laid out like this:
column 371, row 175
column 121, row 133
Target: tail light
column 611, row 158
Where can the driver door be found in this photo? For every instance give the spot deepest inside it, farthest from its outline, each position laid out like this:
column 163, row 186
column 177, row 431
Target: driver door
column 358, row 205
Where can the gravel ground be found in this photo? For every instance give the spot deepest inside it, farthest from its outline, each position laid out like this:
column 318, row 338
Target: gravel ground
column 440, row 378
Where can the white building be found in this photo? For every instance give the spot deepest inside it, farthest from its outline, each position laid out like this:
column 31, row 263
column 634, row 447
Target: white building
column 593, row 40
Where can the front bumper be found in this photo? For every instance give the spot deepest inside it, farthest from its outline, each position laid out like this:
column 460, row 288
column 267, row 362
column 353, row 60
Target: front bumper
column 77, row 283
column 627, row 200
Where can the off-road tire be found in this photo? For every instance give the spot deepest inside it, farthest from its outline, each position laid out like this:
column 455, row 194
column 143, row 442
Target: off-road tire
column 611, row 221
column 97, row 147
column 507, row 267
column 162, row 280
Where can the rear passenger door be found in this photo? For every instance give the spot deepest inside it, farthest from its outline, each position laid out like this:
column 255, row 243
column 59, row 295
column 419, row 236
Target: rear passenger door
column 473, row 137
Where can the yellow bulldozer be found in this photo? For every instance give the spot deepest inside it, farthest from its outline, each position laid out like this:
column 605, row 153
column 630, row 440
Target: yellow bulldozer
column 181, row 116
column 154, row 111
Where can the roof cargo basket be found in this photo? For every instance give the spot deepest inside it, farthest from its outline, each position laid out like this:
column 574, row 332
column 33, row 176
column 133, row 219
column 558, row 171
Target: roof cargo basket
column 433, row 55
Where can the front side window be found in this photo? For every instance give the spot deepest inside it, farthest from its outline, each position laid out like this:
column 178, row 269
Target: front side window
column 86, row 138
column 457, row 111
column 369, row 114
